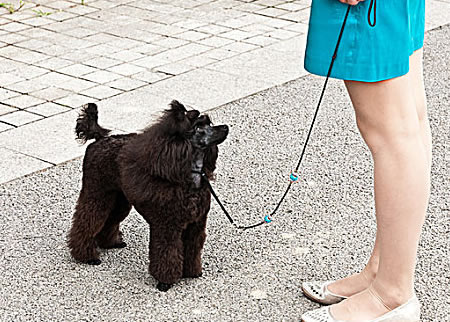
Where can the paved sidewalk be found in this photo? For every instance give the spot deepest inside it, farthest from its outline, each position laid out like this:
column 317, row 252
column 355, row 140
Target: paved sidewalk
column 133, row 57
column 324, row 229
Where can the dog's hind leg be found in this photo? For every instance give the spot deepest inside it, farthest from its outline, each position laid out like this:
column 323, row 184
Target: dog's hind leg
column 193, row 240
column 91, row 213
column 166, row 255
column 110, row 235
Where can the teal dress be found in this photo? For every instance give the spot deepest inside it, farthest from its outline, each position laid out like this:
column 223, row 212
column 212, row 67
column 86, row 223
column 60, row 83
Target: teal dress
column 366, row 53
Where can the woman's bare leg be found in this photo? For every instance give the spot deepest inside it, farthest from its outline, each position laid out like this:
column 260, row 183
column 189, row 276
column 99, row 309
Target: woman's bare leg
column 416, row 77
column 390, row 116
column 360, row 281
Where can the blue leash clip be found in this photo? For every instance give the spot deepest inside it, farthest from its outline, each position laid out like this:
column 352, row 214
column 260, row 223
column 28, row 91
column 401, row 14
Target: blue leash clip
column 268, row 219
column 293, row 177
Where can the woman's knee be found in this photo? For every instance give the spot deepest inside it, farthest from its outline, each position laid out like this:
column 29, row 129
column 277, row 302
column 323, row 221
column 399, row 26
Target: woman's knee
column 422, row 114
column 390, row 133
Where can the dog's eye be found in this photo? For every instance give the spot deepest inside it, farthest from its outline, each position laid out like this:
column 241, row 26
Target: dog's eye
column 199, row 128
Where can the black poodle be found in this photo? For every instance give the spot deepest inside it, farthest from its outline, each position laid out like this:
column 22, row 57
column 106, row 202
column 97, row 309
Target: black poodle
column 157, row 172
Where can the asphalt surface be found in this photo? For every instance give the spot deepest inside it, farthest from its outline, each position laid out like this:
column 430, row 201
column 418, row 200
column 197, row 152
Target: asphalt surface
column 324, row 230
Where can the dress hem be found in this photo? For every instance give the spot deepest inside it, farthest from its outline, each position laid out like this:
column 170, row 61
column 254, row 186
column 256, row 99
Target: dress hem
column 367, row 75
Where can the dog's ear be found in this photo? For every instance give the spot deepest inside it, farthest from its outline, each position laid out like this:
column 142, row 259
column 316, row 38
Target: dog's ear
column 178, row 109
column 171, row 160
column 192, row 115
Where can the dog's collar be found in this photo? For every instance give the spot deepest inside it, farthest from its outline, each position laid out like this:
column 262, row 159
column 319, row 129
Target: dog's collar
column 199, row 172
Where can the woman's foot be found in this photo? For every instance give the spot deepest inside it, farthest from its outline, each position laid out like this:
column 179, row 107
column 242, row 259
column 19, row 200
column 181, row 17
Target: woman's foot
column 360, row 307
column 365, row 306
column 353, row 284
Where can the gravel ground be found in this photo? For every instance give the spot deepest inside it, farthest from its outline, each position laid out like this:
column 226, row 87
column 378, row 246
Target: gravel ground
column 324, row 230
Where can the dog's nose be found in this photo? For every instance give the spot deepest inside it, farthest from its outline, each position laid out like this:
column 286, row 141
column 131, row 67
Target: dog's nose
column 224, row 128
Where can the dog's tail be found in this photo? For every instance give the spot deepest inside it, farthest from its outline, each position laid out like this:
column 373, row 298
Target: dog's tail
column 87, row 127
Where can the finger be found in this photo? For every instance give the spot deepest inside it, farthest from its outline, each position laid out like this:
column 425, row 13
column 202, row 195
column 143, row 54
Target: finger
column 351, row 2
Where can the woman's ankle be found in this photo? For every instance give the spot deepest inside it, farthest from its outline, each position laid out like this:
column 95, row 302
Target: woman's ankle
column 369, row 273
column 371, row 268
column 391, row 295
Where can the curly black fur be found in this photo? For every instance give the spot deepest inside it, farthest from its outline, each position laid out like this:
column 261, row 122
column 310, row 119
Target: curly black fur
column 87, row 127
column 151, row 171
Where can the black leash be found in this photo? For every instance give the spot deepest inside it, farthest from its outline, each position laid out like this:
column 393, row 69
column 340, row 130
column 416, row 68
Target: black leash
column 294, row 175
column 372, row 6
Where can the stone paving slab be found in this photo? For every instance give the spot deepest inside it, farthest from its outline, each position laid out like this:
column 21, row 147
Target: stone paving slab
column 119, row 114
column 50, row 140
column 437, row 14
column 204, row 89
column 19, row 164
column 57, row 55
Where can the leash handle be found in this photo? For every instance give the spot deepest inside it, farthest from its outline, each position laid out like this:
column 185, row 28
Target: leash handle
column 372, row 6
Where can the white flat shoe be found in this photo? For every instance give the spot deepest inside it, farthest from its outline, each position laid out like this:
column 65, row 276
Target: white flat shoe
column 408, row 312
column 318, row 292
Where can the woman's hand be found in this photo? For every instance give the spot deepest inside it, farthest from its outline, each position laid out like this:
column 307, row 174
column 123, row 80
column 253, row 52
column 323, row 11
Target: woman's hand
column 351, row 2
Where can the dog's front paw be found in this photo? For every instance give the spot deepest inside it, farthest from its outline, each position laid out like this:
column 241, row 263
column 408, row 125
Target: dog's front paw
column 192, row 275
column 94, row 262
column 119, row 245
column 163, row 287
column 197, row 275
